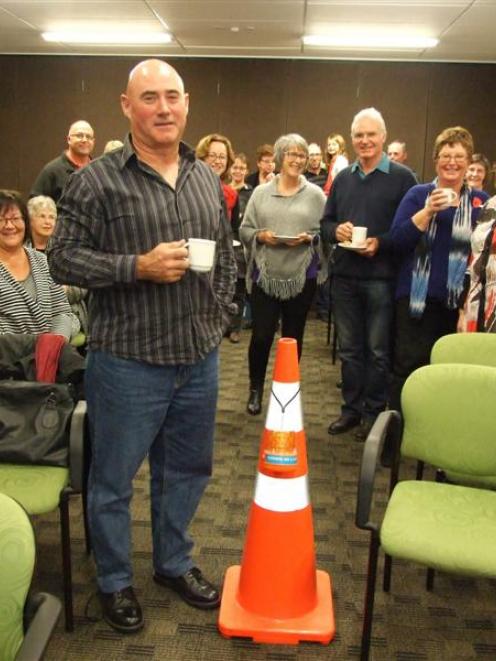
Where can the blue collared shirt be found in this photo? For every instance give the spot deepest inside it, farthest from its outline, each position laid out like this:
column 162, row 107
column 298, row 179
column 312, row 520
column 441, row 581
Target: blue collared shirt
column 383, row 166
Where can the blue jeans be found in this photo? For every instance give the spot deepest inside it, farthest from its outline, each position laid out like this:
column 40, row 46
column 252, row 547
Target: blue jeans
column 363, row 312
column 167, row 412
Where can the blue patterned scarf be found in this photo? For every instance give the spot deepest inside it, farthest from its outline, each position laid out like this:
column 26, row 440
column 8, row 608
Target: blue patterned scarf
column 458, row 254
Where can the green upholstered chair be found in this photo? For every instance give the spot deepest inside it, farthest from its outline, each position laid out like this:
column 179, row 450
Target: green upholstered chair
column 471, row 349
column 43, row 489
column 41, row 611
column 468, row 348
column 448, row 421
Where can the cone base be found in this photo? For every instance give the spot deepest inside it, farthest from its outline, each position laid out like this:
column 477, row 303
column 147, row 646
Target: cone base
column 316, row 625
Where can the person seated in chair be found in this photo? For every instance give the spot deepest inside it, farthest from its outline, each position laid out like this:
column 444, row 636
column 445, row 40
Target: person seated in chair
column 42, row 219
column 30, row 301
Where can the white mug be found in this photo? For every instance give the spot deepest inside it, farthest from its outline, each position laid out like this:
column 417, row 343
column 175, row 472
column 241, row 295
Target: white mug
column 450, row 197
column 358, row 236
column 201, row 254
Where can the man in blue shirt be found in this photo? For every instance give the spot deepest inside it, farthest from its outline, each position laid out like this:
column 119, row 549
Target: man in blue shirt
column 365, row 194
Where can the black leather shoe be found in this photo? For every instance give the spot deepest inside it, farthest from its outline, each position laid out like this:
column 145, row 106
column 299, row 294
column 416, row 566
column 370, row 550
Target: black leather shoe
column 193, row 588
column 363, row 431
column 342, row 424
column 254, row 405
column 121, row 610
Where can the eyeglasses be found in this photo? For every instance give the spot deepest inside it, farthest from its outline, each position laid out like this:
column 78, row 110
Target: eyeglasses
column 446, row 158
column 267, row 161
column 217, row 157
column 295, row 156
column 82, row 136
column 15, row 220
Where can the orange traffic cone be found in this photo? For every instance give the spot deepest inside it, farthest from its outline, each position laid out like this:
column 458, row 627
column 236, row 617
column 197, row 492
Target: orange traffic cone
column 277, row 595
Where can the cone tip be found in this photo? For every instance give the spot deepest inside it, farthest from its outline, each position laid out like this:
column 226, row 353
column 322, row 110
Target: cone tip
column 286, row 368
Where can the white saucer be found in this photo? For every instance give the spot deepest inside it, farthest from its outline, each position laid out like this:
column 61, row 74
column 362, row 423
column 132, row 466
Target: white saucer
column 283, row 238
column 349, row 246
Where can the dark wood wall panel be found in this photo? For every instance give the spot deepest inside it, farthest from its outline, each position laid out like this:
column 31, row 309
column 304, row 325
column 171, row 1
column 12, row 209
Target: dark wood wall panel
column 320, row 97
column 50, row 98
column 400, row 92
column 251, row 101
column 10, row 118
column 466, row 95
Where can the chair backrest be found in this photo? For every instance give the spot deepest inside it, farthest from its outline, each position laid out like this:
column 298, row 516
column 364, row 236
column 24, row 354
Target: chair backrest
column 17, row 556
column 449, row 418
column 469, row 348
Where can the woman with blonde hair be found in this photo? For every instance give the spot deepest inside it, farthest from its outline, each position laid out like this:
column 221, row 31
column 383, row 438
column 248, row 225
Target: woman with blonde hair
column 336, row 158
column 216, row 150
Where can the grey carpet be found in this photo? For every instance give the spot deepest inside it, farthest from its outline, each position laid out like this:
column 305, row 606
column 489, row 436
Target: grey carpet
column 456, row 621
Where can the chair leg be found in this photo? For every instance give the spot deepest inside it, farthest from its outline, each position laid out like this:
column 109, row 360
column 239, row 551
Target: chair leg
column 66, row 560
column 369, row 596
column 329, row 324
column 420, row 470
column 87, row 534
column 429, row 583
column 388, row 565
column 334, row 344
column 84, row 494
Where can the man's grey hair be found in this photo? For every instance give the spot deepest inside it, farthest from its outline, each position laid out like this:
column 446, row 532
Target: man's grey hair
column 369, row 113
column 40, row 203
column 284, row 143
column 313, row 146
column 398, row 142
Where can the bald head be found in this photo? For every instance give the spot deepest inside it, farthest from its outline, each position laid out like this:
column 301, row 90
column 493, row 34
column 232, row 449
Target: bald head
column 81, row 140
column 156, row 105
column 149, row 70
column 396, row 151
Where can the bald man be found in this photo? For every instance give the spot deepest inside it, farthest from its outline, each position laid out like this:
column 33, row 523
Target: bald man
column 155, row 326
column 396, row 152
column 53, row 176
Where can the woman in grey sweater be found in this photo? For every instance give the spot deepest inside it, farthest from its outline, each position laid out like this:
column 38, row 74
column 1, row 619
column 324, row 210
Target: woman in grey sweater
column 280, row 235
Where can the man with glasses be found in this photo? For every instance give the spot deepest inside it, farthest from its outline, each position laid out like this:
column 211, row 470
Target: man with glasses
column 53, row 176
column 365, row 194
column 316, row 171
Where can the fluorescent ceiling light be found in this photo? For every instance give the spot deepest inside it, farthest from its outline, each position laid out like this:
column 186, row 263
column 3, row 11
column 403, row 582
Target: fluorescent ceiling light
column 110, row 37
column 376, row 42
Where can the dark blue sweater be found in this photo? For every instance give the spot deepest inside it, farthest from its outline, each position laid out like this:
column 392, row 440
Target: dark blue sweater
column 405, row 236
column 368, row 202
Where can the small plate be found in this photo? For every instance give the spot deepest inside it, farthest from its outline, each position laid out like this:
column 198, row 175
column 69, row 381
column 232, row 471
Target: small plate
column 349, row 246
column 282, row 238
column 236, row 243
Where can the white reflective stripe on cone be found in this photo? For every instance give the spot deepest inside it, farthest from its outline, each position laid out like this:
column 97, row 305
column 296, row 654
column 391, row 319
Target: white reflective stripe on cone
column 281, row 494
column 284, row 412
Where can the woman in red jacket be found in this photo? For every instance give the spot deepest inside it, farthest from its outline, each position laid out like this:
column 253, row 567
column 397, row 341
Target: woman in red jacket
column 217, row 152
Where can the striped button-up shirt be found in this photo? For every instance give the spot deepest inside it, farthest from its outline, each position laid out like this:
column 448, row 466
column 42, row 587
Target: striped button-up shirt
column 117, row 208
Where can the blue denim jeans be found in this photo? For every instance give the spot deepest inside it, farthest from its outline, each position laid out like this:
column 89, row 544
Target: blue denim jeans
column 363, row 311
column 168, row 413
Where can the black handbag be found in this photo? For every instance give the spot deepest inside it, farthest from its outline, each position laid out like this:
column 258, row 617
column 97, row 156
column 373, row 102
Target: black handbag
column 34, row 422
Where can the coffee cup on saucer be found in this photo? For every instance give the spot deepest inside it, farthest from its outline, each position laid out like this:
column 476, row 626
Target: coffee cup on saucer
column 359, row 237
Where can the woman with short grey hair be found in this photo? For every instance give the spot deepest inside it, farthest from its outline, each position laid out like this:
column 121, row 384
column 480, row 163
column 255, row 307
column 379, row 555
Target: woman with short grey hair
column 285, row 143
column 280, row 233
column 42, row 218
column 42, row 212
